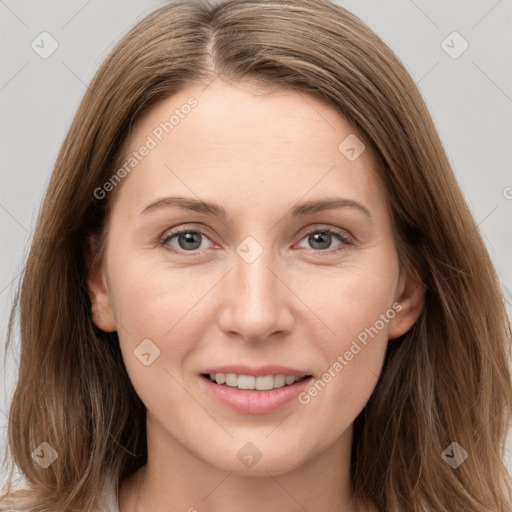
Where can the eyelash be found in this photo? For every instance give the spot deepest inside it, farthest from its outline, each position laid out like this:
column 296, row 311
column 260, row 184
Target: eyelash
column 342, row 237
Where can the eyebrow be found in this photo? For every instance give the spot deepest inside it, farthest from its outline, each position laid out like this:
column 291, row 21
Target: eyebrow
column 216, row 210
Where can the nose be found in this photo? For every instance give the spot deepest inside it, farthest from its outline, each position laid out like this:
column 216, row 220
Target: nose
column 256, row 303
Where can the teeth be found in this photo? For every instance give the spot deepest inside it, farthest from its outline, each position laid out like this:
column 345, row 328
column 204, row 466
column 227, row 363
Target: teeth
column 251, row 382
column 279, row 381
column 263, row 383
column 289, row 380
column 246, row 382
column 231, row 379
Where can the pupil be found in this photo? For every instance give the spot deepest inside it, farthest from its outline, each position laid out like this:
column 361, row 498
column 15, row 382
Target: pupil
column 319, row 237
column 188, row 238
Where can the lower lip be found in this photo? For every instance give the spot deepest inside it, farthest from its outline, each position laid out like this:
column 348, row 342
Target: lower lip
column 252, row 401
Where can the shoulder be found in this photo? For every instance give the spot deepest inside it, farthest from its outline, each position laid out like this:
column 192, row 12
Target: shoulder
column 109, row 498
column 16, row 500
column 22, row 500
column 9, row 504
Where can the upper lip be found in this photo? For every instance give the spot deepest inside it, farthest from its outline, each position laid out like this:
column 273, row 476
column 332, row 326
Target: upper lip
column 259, row 371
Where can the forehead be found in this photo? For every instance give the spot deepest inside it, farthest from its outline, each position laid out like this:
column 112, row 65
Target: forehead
column 240, row 142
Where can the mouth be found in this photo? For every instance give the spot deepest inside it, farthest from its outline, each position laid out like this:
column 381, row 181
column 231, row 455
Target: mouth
column 247, row 393
column 253, row 382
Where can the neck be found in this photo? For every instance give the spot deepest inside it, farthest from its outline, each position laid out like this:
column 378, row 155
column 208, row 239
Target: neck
column 175, row 479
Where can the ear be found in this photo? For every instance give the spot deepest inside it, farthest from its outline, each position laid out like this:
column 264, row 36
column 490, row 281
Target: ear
column 102, row 310
column 411, row 298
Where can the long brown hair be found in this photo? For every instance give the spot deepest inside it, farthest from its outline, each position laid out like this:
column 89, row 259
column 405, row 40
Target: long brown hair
column 446, row 380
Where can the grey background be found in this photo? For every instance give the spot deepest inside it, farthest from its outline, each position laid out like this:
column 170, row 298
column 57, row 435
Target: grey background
column 469, row 97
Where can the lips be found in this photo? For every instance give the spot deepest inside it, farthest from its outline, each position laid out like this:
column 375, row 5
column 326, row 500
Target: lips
column 254, row 390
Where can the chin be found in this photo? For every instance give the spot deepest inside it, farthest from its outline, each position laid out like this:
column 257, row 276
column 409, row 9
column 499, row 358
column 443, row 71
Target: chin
column 258, row 458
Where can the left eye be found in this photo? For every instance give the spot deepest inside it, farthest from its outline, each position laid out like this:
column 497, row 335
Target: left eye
column 322, row 238
column 190, row 240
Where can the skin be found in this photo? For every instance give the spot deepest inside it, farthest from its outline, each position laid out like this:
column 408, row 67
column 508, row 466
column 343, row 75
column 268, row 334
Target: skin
column 257, row 152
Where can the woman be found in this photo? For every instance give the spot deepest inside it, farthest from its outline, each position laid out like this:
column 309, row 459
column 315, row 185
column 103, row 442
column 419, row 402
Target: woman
column 258, row 369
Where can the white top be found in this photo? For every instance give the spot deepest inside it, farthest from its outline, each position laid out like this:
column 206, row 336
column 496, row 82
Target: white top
column 109, row 502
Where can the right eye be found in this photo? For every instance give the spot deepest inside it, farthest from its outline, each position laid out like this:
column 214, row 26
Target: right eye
column 186, row 240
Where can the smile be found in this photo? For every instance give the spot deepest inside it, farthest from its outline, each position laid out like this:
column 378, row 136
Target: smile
column 250, row 390
column 260, row 383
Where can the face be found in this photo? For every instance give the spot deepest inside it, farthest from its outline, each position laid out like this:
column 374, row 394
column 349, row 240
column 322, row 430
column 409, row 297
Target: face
column 245, row 246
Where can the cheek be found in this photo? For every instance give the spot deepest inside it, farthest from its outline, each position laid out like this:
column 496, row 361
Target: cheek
column 351, row 300
column 150, row 298
column 357, row 305
column 163, row 305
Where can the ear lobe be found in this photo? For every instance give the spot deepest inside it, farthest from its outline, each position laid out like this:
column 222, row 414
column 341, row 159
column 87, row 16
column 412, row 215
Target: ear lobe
column 411, row 299
column 102, row 310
